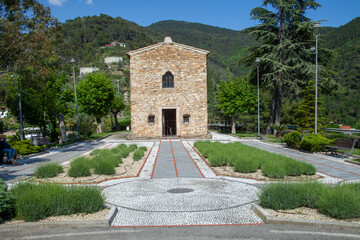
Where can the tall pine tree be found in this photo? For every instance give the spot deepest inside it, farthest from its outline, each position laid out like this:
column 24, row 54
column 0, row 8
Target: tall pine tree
column 286, row 35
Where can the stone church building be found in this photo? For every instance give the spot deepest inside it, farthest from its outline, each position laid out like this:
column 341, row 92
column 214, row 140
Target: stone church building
column 168, row 91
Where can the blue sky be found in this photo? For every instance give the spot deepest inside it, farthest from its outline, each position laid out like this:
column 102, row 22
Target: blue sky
column 232, row 14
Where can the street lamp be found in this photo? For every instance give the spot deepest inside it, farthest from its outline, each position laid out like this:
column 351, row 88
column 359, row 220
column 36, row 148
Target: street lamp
column 20, row 108
column 72, row 61
column 316, row 28
column 257, row 61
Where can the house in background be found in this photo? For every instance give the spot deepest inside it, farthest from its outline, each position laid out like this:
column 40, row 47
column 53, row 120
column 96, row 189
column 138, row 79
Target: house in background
column 4, row 112
column 168, row 85
column 110, row 60
column 87, row 70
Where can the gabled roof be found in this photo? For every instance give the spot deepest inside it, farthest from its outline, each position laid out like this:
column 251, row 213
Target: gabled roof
column 167, row 40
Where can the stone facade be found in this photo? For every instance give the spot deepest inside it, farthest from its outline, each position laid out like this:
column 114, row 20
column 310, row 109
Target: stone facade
column 179, row 110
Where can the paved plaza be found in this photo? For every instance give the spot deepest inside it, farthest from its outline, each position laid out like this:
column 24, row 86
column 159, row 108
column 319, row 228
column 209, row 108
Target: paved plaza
column 176, row 187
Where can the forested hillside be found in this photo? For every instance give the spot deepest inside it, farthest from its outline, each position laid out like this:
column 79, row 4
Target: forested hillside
column 226, row 46
column 83, row 38
column 345, row 41
column 343, row 105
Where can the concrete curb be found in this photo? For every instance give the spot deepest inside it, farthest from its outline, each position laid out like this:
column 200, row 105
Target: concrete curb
column 353, row 162
column 105, row 223
column 267, row 218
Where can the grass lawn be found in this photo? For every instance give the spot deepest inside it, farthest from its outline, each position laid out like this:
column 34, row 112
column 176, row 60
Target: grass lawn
column 244, row 134
column 95, row 136
column 356, row 151
column 278, row 140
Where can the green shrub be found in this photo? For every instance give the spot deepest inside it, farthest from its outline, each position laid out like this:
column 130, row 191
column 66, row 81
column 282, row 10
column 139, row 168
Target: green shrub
column 246, row 165
column 143, row 148
column 104, row 167
column 132, row 147
column 80, row 167
column 35, row 202
column 7, row 203
column 309, row 169
column 217, row 159
column 25, row 147
column 1, row 126
column 292, row 139
column 119, row 148
column 86, row 126
column 314, row 143
column 48, row 170
column 125, row 122
column 139, row 154
column 273, row 170
column 95, row 152
column 105, row 164
column 281, row 196
column 124, row 153
column 293, row 168
column 340, row 202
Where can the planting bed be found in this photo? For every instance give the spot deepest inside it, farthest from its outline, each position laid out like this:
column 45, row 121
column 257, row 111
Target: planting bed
column 305, row 213
column 100, row 215
column 128, row 168
column 259, row 175
column 239, row 160
column 313, row 201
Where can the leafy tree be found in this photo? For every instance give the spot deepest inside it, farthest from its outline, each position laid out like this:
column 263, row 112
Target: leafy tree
column 95, row 94
column 117, row 106
column 27, row 34
column 236, row 96
column 305, row 114
column 57, row 95
column 286, row 35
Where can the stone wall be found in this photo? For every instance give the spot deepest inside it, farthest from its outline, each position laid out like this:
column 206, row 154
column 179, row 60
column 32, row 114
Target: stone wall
column 189, row 95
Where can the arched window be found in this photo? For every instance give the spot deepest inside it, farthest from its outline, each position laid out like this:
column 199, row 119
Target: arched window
column 168, row 80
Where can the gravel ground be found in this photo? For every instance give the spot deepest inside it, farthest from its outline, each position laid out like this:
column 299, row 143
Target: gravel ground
column 305, row 213
column 69, row 218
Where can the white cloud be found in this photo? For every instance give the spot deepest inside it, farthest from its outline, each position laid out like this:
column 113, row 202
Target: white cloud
column 90, row 2
column 58, row 2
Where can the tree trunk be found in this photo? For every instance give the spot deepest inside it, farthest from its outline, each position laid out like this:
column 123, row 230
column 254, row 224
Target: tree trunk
column 98, row 122
column 62, row 127
column 117, row 126
column 233, row 129
column 278, row 103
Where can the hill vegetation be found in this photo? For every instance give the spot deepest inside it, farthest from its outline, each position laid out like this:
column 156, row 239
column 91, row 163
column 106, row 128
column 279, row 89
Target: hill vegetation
column 84, row 37
column 226, row 46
